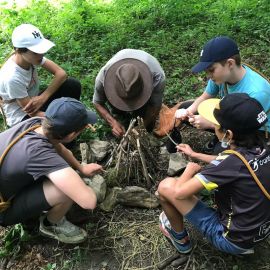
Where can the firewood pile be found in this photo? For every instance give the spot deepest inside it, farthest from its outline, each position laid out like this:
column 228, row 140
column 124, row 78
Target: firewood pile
column 136, row 159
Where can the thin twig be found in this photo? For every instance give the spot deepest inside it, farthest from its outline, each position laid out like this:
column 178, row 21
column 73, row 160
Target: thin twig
column 189, row 258
column 122, row 142
column 168, row 261
column 145, row 172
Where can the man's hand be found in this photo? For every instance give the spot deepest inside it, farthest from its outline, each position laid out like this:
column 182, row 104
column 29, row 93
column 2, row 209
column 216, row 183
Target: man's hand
column 199, row 122
column 34, row 104
column 117, row 129
column 186, row 149
column 181, row 114
column 90, row 169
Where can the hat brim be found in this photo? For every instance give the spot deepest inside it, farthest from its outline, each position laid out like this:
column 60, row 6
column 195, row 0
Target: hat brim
column 42, row 47
column 206, row 109
column 135, row 103
column 201, row 66
column 91, row 117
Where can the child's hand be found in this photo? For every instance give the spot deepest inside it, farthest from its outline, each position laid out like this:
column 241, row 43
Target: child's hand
column 186, row 149
column 199, row 122
column 193, row 167
column 181, row 114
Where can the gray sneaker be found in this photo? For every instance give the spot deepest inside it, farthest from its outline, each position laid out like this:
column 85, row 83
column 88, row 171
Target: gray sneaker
column 63, row 231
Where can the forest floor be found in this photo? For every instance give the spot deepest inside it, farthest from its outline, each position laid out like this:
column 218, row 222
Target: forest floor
column 127, row 238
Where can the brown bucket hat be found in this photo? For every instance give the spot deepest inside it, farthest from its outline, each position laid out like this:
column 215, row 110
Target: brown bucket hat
column 128, row 84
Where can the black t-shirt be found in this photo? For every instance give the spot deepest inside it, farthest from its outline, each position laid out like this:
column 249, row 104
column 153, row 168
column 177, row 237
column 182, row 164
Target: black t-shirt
column 243, row 209
column 31, row 158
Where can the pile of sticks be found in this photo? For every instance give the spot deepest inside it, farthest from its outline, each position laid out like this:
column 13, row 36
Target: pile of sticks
column 135, row 160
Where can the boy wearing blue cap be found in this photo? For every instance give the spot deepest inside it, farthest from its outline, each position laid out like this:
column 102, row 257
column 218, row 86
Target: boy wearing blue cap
column 220, row 58
column 39, row 174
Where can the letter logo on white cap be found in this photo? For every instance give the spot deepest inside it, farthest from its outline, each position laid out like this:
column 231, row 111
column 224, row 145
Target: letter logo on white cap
column 36, row 34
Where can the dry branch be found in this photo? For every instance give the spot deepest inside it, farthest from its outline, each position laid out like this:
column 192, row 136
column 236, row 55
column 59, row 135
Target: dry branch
column 134, row 161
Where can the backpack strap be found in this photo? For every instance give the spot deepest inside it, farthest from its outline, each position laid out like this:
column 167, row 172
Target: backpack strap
column 5, row 204
column 256, row 179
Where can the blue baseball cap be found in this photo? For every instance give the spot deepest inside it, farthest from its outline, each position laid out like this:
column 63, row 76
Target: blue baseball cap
column 68, row 115
column 217, row 49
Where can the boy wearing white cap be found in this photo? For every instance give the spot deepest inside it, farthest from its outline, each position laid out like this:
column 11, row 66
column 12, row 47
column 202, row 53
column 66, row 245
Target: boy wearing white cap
column 19, row 84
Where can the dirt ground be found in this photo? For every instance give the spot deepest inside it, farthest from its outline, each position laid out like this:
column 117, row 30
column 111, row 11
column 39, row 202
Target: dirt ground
column 126, row 238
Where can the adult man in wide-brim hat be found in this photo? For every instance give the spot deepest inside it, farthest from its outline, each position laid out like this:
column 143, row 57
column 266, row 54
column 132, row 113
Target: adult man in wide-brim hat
column 132, row 84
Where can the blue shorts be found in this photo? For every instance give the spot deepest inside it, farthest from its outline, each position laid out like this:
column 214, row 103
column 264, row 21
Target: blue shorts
column 205, row 219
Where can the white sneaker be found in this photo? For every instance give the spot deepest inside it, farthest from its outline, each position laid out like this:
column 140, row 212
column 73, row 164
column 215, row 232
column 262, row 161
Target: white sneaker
column 63, row 231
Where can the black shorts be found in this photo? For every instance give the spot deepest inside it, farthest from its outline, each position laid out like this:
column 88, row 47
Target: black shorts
column 30, row 202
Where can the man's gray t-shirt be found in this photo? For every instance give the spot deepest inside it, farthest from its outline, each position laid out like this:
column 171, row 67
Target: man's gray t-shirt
column 31, row 158
column 152, row 63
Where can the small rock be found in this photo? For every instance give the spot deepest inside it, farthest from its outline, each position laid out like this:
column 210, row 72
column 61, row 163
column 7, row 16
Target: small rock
column 98, row 184
column 176, row 164
column 138, row 197
column 110, row 199
column 99, row 149
column 84, row 148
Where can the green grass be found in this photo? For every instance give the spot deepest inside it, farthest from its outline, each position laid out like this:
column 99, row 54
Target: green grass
column 88, row 32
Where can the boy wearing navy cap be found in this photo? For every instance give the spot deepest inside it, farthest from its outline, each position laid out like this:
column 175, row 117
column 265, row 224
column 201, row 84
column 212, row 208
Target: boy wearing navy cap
column 220, row 58
column 39, row 174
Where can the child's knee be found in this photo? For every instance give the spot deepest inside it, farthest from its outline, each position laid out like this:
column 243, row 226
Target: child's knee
column 166, row 187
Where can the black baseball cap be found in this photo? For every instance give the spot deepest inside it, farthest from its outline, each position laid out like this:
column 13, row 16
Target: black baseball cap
column 237, row 112
column 215, row 50
column 68, row 115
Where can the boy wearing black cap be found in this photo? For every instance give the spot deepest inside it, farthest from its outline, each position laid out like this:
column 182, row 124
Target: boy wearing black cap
column 220, row 58
column 38, row 172
column 242, row 217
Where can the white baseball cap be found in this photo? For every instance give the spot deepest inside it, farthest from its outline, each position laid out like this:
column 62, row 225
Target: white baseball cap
column 28, row 36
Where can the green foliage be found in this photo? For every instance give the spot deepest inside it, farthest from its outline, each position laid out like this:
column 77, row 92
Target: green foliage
column 12, row 241
column 50, row 266
column 88, row 32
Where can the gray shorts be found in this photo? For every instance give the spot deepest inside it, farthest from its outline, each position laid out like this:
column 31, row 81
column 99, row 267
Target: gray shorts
column 30, row 202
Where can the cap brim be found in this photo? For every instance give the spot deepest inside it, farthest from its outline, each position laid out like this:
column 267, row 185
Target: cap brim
column 91, row 117
column 201, row 66
column 206, row 109
column 42, row 47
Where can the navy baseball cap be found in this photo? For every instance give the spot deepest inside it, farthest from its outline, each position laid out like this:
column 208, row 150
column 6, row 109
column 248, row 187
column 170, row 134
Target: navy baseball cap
column 215, row 50
column 68, row 115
